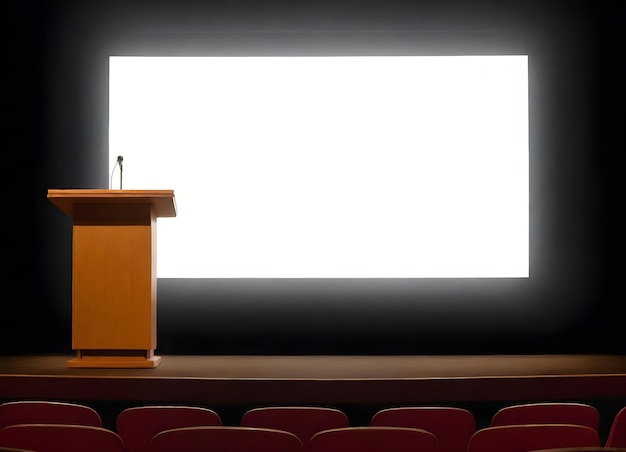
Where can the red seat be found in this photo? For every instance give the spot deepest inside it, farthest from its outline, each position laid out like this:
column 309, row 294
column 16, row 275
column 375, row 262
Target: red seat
column 43, row 412
column 60, row 437
column 12, row 449
column 548, row 413
column 452, row 426
column 374, row 439
column 303, row 422
column 225, row 439
column 138, row 425
column 584, row 449
column 531, row 437
column 617, row 434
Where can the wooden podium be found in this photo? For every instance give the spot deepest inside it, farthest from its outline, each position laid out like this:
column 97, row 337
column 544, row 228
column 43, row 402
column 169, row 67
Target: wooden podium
column 114, row 274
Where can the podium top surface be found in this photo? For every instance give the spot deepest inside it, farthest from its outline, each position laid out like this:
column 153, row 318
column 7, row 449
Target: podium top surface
column 163, row 201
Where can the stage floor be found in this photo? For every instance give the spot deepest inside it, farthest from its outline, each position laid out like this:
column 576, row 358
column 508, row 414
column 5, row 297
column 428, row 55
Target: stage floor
column 334, row 380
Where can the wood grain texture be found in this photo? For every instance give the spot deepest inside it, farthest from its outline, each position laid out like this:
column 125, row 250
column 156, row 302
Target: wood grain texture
column 163, row 201
column 114, row 282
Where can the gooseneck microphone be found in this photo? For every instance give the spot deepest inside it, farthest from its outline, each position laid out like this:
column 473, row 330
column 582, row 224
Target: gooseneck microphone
column 120, row 159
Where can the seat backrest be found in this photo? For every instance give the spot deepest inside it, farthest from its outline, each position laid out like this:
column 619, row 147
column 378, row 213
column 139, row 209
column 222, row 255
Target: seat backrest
column 44, row 412
column 584, row 449
column 60, row 437
column 617, row 434
column 138, row 425
column 373, row 439
column 548, row 413
column 303, row 422
column 225, row 439
column 531, row 437
column 452, row 426
column 12, row 449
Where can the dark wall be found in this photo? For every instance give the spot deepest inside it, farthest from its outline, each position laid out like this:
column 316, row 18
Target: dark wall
column 573, row 301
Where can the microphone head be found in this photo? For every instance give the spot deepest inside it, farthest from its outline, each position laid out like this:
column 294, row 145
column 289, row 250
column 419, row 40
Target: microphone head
column 120, row 158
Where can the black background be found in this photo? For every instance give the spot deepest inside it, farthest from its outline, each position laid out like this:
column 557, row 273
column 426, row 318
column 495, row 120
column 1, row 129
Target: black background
column 55, row 113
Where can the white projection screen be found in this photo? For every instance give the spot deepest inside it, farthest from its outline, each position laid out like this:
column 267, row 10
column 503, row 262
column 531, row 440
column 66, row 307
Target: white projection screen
column 329, row 167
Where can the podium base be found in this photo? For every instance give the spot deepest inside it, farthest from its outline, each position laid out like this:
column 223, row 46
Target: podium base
column 96, row 359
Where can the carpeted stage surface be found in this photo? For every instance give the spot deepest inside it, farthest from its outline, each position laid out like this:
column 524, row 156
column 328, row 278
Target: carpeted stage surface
column 358, row 384
column 323, row 379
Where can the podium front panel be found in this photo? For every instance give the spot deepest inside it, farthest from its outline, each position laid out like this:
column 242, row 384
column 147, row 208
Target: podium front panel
column 114, row 278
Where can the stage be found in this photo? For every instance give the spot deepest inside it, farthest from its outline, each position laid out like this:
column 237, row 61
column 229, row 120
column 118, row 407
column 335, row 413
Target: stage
column 327, row 380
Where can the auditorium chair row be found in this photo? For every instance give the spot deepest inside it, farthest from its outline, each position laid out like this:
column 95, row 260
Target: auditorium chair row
column 518, row 428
